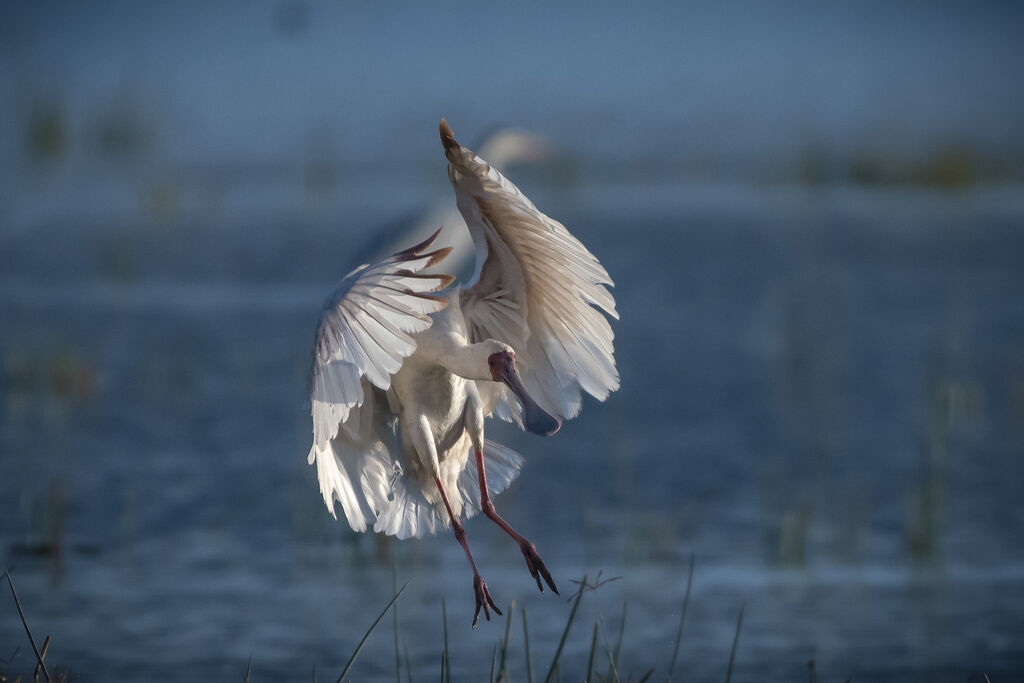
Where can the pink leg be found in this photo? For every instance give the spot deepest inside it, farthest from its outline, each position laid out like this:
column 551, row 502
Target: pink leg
column 533, row 561
column 483, row 596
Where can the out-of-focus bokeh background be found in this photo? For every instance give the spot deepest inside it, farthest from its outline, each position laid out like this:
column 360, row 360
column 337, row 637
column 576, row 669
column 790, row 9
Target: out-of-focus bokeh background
column 814, row 216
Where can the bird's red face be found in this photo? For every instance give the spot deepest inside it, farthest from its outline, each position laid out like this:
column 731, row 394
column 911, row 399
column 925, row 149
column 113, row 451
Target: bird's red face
column 535, row 418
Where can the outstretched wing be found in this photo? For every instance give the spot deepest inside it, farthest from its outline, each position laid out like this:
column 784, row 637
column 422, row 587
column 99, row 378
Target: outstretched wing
column 536, row 288
column 366, row 331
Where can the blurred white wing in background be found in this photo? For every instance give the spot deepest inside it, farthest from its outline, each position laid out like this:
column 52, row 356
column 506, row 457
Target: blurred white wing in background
column 503, row 147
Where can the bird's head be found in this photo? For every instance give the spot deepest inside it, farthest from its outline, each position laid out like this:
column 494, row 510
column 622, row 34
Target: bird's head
column 502, row 366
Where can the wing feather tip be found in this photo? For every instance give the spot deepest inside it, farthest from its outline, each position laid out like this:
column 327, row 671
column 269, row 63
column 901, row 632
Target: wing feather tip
column 447, row 137
column 437, row 256
column 417, row 248
column 445, row 278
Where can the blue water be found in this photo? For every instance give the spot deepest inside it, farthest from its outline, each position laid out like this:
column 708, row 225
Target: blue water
column 821, row 401
column 822, row 355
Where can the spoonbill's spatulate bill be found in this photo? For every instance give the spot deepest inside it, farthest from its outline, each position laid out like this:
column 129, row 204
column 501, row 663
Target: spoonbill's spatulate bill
column 403, row 376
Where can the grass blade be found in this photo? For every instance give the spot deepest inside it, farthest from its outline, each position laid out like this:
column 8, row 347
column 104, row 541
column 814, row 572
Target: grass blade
column 248, row 670
column 394, row 614
column 352, row 659
column 565, row 633
column 646, row 676
column 447, row 662
column 735, row 641
column 526, row 644
column 502, row 666
column 408, row 669
column 613, row 672
column 42, row 657
column 590, row 660
column 622, row 632
column 21, row 613
column 494, row 657
column 682, row 620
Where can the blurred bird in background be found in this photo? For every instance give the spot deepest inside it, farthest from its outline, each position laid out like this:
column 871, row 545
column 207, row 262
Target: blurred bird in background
column 503, row 147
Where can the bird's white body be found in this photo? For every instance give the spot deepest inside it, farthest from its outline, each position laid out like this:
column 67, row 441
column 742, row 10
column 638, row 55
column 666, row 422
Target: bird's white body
column 403, row 378
column 445, row 410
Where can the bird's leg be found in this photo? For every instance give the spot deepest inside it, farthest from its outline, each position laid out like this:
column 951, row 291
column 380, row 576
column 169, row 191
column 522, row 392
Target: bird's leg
column 533, row 561
column 483, row 596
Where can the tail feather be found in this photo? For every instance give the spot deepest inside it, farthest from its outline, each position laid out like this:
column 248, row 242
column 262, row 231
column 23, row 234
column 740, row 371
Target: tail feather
column 502, row 465
column 410, row 515
column 358, row 482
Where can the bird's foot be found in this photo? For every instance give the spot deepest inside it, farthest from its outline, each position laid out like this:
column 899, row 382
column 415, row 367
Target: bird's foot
column 483, row 599
column 536, row 566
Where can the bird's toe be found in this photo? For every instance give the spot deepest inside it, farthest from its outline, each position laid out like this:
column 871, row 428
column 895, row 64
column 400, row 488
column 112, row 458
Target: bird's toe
column 483, row 600
column 537, row 568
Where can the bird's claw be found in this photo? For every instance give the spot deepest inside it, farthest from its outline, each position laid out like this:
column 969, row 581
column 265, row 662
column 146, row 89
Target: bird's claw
column 536, row 566
column 483, row 599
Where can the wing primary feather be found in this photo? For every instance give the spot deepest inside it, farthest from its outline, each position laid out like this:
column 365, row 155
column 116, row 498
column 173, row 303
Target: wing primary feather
column 443, row 280
column 417, row 248
column 432, row 258
column 365, row 332
column 536, row 287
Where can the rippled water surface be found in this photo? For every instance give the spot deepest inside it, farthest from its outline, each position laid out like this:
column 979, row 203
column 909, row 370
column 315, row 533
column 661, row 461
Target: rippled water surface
column 822, row 401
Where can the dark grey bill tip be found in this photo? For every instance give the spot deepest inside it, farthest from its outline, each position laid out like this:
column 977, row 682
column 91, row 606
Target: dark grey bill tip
column 538, row 421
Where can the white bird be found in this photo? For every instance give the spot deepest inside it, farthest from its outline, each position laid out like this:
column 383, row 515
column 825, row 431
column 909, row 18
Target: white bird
column 403, row 378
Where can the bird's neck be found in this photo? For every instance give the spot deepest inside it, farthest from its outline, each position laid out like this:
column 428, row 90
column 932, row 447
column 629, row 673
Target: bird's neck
column 468, row 361
column 447, row 344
